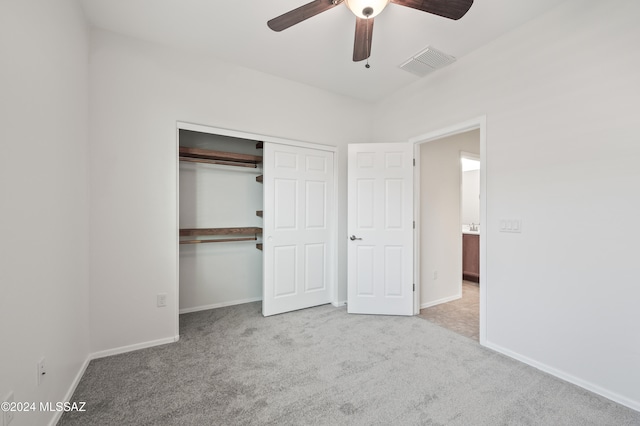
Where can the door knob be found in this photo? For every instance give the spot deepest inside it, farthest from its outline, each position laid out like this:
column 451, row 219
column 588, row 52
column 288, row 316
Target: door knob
column 353, row 238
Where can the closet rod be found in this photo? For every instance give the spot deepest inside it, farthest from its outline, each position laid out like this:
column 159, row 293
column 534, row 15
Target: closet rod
column 222, row 240
column 220, row 162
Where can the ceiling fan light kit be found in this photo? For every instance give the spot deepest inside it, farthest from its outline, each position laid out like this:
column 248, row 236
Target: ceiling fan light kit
column 366, row 8
column 365, row 11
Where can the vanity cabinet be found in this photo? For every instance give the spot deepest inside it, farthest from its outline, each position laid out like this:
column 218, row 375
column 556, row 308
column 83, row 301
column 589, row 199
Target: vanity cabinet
column 471, row 257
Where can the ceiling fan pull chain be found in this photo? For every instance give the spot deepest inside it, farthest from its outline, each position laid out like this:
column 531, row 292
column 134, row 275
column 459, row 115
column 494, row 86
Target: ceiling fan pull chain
column 368, row 53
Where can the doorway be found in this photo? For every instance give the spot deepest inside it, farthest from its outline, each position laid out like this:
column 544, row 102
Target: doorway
column 440, row 288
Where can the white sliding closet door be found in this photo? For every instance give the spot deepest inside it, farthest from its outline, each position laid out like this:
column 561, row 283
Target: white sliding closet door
column 298, row 237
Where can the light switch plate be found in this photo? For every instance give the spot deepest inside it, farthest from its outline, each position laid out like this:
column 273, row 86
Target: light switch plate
column 511, row 225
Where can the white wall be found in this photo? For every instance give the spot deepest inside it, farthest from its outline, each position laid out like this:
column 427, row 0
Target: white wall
column 561, row 99
column 440, row 231
column 214, row 196
column 44, row 200
column 471, row 197
column 138, row 92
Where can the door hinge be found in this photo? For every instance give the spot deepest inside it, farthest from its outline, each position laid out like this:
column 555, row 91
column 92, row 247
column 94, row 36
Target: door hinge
column 414, row 224
column 414, row 162
column 414, row 286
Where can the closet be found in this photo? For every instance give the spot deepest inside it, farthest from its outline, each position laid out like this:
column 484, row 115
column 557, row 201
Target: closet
column 257, row 221
column 220, row 202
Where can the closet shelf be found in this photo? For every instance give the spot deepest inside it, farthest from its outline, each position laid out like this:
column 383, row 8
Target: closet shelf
column 222, row 240
column 259, row 213
column 198, row 232
column 259, row 246
column 193, row 232
column 259, row 178
column 198, row 155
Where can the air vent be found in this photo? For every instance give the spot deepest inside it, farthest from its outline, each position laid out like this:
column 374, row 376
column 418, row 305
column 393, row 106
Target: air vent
column 427, row 61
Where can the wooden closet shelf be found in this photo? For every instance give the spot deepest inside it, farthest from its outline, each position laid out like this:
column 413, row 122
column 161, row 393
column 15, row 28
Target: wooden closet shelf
column 259, row 246
column 259, row 178
column 220, row 162
column 221, row 240
column 199, row 155
column 194, row 232
column 259, row 213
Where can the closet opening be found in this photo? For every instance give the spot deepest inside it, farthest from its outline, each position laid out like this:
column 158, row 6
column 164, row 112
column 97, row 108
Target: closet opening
column 220, row 201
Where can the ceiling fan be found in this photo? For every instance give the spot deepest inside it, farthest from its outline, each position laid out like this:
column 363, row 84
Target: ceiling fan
column 365, row 11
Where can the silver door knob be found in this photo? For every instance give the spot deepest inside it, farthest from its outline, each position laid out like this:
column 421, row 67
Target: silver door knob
column 353, row 238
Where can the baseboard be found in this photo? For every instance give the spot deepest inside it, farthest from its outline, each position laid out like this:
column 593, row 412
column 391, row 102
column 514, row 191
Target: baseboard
column 620, row 399
column 439, row 301
column 219, row 305
column 67, row 397
column 130, row 348
column 339, row 303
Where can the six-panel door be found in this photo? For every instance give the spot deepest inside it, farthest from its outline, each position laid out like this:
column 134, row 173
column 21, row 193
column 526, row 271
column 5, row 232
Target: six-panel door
column 298, row 236
column 380, row 229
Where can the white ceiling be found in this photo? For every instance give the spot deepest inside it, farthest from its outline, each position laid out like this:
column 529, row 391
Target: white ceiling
column 317, row 51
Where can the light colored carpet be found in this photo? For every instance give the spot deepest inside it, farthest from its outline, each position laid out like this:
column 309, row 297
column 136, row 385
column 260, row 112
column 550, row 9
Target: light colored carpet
column 321, row 366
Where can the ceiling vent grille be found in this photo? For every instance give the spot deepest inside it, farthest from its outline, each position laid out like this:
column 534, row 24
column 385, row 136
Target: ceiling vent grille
column 427, row 61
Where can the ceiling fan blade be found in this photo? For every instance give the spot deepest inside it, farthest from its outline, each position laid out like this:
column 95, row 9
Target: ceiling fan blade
column 362, row 41
column 452, row 9
column 298, row 15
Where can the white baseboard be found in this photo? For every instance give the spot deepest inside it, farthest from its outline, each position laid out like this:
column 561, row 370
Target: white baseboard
column 439, row 301
column 219, row 305
column 339, row 303
column 67, row 397
column 620, row 399
column 130, row 348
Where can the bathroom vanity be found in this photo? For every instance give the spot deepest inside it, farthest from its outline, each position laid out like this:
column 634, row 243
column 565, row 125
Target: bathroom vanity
column 471, row 256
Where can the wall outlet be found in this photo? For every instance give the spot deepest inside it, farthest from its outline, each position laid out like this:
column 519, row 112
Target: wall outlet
column 41, row 370
column 8, row 415
column 162, row 300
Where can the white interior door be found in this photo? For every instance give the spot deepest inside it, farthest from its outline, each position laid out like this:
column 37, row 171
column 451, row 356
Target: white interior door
column 297, row 233
column 380, row 229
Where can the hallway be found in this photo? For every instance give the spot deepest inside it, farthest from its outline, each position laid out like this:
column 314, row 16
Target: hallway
column 460, row 316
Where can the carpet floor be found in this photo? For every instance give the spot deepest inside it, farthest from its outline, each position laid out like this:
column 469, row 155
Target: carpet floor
column 321, row 366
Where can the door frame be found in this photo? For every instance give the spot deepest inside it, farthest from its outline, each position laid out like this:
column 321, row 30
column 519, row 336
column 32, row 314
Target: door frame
column 472, row 124
column 183, row 125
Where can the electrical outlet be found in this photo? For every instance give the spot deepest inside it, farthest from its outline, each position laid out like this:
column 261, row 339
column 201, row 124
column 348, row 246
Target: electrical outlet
column 162, row 300
column 41, row 371
column 8, row 415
